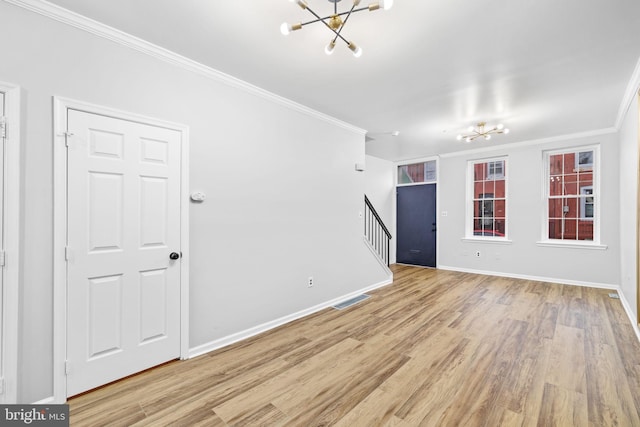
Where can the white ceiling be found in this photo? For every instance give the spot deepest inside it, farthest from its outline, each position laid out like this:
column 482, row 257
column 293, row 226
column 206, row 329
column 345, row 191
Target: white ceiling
column 430, row 68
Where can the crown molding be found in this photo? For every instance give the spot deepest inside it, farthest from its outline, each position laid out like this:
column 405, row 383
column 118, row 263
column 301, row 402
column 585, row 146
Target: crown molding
column 532, row 142
column 91, row 26
column 629, row 95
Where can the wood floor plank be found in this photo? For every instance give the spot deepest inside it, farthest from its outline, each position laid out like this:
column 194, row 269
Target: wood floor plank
column 567, row 365
column 561, row 408
column 435, row 348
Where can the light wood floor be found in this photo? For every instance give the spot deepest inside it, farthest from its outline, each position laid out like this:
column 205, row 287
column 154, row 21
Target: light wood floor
column 435, row 348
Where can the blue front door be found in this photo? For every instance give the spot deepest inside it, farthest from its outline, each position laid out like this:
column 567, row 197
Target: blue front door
column 416, row 225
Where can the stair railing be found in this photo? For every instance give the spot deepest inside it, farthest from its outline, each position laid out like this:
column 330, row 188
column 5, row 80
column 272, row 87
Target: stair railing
column 376, row 232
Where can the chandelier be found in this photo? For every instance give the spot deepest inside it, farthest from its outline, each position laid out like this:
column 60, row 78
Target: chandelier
column 480, row 130
column 335, row 22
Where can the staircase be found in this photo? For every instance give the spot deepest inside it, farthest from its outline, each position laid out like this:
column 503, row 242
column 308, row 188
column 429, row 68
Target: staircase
column 376, row 233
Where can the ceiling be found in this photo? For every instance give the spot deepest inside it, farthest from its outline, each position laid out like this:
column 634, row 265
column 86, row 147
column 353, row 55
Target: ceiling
column 430, row 68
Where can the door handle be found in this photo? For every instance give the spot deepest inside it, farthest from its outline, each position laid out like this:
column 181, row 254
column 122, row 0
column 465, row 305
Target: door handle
column 174, row 255
column 433, row 224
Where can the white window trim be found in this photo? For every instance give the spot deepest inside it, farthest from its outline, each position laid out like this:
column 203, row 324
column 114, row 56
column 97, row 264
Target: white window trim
column 578, row 244
column 469, row 236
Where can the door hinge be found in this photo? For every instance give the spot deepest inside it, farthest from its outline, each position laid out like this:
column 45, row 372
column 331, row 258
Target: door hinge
column 67, row 367
column 67, row 136
column 3, row 127
column 66, row 253
column 2, row 258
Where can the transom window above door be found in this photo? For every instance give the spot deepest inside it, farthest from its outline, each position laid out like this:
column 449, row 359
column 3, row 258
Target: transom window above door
column 417, row 173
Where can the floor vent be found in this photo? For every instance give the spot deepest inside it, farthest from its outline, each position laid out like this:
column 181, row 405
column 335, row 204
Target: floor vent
column 614, row 296
column 350, row 302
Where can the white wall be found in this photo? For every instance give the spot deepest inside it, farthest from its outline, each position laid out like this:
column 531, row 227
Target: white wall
column 282, row 193
column 380, row 188
column 525, row 207
column 628, row 205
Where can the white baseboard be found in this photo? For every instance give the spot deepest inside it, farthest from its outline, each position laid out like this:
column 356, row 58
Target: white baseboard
column 534, row 278
column 627, row 309
column 48, row 401
column 248, row 333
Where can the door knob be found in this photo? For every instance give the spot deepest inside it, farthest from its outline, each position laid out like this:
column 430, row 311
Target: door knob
column 174, row 255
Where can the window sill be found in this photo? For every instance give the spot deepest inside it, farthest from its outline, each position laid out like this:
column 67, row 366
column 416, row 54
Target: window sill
column 571, row 244
column 489, row 240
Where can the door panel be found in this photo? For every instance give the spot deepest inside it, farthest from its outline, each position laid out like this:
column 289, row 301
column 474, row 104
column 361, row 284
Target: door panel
column 123, row 222
column 416, row 225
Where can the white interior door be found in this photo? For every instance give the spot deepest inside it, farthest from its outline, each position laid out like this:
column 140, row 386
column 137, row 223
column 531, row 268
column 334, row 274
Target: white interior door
column 123, row 222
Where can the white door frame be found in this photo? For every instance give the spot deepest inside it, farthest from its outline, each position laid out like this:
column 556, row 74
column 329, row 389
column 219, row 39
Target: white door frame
column 12, row 231
column 61, row 107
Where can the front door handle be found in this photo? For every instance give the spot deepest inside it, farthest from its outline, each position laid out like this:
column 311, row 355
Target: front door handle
column 174, row 255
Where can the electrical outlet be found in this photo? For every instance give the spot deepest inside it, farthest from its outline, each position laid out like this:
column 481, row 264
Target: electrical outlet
column 477, row 254
column 310, row 282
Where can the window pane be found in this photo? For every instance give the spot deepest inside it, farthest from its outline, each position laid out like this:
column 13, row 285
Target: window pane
column 586, row 179
column 499, row 191
column 555, row 186
column 555, row 228
column 571, row 184
column 403, row 175
column 500, row 225
column 570, row 229
column 489, row 188
column 585, row 230
column 430, row 171
column 570, row 207
column 555, row 208
column 569, row 162
column 500, row 209
column 555, row 164
column 479, row 172
column 585, row 159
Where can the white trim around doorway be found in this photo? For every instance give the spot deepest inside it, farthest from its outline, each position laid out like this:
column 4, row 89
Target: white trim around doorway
column 61, row 108
column 12, row 232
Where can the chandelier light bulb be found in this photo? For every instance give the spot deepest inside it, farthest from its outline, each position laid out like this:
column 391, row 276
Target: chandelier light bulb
column 386, row 4
column 300, row 3
column 285, row 29
column 505, row 131
column 357, row 50
column 470, row 129
column 329, row 48
column 459, row 137
column 500, row 126
column 468, row 139
column 487, row 137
